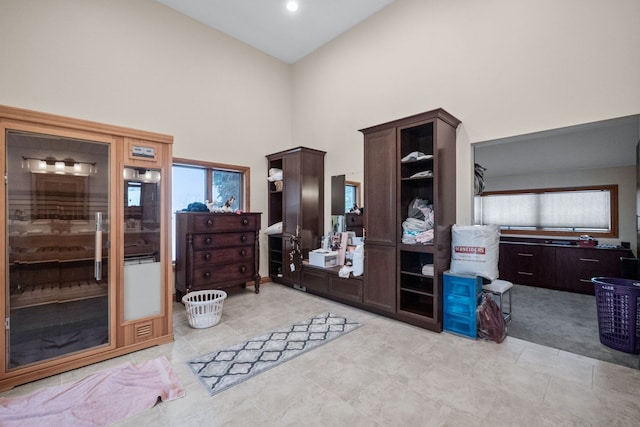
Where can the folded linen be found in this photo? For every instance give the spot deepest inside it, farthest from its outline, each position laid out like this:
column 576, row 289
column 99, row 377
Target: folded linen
column 275, row 174
column 416, row 155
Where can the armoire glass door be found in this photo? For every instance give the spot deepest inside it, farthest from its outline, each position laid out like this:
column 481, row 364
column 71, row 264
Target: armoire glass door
column 58, row 246
column 142, row 263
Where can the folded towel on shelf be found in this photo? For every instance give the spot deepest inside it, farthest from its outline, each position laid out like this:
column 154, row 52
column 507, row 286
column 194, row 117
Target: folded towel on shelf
column 275, row 174
column 416, row 155
column 422, row 174
column 425, row 236
column 427, row 270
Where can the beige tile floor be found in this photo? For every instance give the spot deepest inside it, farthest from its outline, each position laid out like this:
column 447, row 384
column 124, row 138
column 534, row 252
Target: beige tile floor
column 385, row 373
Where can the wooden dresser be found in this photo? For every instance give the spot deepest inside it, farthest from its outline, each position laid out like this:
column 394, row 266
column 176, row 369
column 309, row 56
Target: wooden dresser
column 354, row 222
column 216, row 251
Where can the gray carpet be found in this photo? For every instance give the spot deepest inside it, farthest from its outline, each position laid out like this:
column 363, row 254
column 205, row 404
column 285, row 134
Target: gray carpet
column 562, row 320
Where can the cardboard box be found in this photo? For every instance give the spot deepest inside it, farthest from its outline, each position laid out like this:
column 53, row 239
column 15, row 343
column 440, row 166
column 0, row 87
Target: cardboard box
column 323, row 258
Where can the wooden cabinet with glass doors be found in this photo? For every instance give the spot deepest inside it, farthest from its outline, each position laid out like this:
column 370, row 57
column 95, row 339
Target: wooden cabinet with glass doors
column 85, row 247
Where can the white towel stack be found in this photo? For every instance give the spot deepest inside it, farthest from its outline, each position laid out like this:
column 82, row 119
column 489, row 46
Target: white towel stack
column 427, row 270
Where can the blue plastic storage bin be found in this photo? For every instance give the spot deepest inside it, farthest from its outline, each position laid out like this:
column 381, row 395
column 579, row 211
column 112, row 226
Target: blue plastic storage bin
column 461, row 295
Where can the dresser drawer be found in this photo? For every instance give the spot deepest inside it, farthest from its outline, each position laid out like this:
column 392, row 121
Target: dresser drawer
column 207, row 275
column 225, row 222
column 222, row 256
column 221, row 240
column 527, row 264
column 576, row 267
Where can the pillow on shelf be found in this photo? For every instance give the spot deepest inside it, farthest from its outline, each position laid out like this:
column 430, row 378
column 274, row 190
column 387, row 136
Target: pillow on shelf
column 274, row 228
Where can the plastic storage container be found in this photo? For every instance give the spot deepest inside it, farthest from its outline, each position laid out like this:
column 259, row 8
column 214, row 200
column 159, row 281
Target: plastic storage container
column 204, row 308
column 618, row 302
column 461, row 294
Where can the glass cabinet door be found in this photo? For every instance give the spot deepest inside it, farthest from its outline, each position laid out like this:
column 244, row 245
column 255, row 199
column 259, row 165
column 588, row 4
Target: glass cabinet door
column 142, row 266
column 57, row 211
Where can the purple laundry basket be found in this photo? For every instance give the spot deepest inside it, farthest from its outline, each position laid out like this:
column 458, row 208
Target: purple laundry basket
column 618, row 302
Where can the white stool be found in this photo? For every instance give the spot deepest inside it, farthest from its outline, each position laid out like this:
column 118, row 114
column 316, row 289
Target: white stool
column 499, row 288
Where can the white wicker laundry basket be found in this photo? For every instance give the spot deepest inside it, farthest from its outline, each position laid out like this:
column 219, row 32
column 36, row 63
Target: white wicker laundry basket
column 204, row 308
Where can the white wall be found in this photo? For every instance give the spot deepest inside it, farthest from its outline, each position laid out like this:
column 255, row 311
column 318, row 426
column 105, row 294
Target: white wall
column 139, row 64
column 503, row 67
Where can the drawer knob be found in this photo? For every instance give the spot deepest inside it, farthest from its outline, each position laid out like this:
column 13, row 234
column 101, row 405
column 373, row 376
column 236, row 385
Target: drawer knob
column 207, row 275
column 207, row 240
column 209, row 222
column 243, row 252
column 207, row 256
column 243, row 238
column 243, row 269
column 245, row 221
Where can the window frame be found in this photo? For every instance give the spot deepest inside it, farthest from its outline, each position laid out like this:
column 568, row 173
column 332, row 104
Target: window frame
column 613, row 214
column 209, row 167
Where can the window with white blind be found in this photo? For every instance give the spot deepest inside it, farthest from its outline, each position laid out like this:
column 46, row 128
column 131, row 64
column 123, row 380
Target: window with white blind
column 557, row 211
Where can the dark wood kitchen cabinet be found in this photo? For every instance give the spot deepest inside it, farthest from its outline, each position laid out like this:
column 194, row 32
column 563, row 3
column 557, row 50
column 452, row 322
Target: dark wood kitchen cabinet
column 526, row 264
column 565, row 267
column 575, row 267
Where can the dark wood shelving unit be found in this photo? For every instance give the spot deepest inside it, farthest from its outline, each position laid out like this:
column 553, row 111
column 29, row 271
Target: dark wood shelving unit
column 393, row 281
column 298, row 202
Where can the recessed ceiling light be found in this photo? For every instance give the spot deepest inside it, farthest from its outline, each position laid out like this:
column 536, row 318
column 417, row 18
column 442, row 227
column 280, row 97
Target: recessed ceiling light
column 292, row 6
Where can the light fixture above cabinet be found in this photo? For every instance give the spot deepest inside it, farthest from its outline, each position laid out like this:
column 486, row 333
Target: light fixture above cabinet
column 66, row 166
column 142, row 175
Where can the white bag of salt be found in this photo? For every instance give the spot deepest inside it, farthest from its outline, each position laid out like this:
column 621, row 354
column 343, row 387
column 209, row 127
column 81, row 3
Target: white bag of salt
column 475, row 250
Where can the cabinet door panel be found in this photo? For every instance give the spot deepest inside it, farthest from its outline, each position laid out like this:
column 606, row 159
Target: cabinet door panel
column 380, row 277
column 314, row 280
column 58, row 283
column 291, row 197
column 380, row 189
column 350, row 288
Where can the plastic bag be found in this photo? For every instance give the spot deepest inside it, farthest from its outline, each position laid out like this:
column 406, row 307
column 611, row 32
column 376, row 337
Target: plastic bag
column 491, row 324
column 474, row 250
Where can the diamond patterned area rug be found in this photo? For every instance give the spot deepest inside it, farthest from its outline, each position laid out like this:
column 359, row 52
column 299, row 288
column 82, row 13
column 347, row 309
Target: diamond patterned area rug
column 222, row 369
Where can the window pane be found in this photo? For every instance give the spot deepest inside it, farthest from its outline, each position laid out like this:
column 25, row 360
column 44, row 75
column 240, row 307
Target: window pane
column 188, row 186
column 513, row 210
column 576, row 209
column 226, row 185
column 587, row 210
column 350, row 197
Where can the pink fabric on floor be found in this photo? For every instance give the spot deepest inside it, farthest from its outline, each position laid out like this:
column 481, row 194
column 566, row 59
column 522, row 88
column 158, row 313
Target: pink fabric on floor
column 97, row 400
